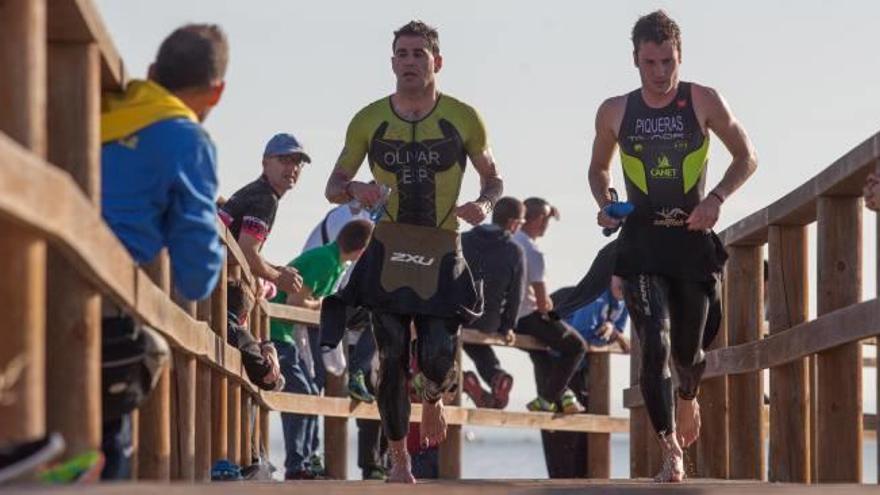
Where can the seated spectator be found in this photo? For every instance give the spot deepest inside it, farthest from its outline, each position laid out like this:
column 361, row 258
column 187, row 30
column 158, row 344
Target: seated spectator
column 552, row 373
column 158, row 187
column 496, row 261
column 321, row 269
column 250, row 212
column 260, row 359
column 602, row 321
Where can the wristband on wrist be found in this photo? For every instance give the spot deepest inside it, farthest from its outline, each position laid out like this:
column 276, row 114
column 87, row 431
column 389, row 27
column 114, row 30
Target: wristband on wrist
column 719, row 197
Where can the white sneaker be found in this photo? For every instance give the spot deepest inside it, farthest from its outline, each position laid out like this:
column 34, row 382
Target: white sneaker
column 334, row 360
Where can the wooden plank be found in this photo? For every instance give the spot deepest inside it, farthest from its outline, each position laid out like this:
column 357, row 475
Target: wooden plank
column 233, row 428
column 264, row 433
column 185, row 397
column 246, row 431
column 713, row 445
column 456, row 415
column 219, row 417
column 599, row 403
column 839, row 370
column 336, row 431
column 451, row 448
column 789, row 456
column 744, row 306
column 203, row 423
column 80, row 21
column 235, row 256
column 155, row 412
column 73, row 345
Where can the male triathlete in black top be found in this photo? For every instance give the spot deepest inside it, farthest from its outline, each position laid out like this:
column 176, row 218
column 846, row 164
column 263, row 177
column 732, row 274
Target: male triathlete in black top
column 670, row 258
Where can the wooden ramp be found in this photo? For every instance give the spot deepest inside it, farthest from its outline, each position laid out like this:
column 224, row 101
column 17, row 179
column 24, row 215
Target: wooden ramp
column 450, row 487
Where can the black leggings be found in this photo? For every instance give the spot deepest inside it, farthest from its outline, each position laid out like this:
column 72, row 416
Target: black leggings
column 437, row 339
column 670, row 317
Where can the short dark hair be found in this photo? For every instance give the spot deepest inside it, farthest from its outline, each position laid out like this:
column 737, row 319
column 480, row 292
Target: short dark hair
column 193, row 56
column 506, row 209
column 354, row 235
column 656, row 27
column 239, row 299
column 422, row 30
column 535, row 207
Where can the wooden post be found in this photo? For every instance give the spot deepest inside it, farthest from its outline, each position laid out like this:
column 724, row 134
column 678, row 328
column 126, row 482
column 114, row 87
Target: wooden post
column 219, row 389
column 185, row 374
column 450, row 449
column 203, row 423
column 638, row 450
column 155, row 412
column 745, row 316
column 839, row 370
column 789, row 457
column 336, row 431
column 246, row 432
column 599, row 444
column 23, row 254
column 73, row 306
column 712, row 446
column 233, row 439
column 264, row 434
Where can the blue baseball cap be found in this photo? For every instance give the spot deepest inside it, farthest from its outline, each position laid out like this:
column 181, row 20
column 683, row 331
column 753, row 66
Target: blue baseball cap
column 285, row 144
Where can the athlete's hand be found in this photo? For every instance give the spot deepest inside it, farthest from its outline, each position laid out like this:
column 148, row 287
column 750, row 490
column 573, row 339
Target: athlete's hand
column 606, row 221
column 871, row 191
column 473, row 212
column 289, row 280
column 705, row 214
column 367, row 194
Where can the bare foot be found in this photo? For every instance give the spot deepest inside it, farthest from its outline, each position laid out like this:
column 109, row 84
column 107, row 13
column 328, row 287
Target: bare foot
column 433, row 426
column 687, row 419
column 673, row 460
column 401, row 467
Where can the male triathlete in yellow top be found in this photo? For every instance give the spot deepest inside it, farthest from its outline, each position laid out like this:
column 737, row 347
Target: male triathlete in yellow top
column 667, row 253
column 417, row 142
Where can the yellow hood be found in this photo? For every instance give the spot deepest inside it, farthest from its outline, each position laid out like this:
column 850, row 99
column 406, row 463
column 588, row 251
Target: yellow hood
column 143, row 103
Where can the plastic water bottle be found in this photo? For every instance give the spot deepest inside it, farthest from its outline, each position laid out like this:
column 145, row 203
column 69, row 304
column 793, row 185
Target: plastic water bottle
column 616, row 209
column 378, row 209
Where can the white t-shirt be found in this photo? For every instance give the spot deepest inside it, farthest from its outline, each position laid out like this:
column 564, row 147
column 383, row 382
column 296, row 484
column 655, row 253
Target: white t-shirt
column 534, row 272
column 335, row 220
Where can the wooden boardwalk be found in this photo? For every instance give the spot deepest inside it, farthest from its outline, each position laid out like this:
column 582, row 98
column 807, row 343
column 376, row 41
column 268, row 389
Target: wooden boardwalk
column 449, row 487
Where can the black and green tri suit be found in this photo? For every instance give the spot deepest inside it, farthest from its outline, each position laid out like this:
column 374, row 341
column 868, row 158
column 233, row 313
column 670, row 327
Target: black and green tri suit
column 413, row 270
column 672, row 274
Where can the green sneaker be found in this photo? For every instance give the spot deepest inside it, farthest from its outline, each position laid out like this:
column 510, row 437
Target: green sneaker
column 570, row 404
column 418, row 385
column 357, row 388
column 540, row 405
column 82, row 468
column 316, row 465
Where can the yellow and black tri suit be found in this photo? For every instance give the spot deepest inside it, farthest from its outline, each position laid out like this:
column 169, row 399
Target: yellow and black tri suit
column 664, row 153
column 423, row 163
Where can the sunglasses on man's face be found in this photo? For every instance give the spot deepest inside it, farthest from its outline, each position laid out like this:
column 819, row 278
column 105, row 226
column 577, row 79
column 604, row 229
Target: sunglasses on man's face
column 294, row 159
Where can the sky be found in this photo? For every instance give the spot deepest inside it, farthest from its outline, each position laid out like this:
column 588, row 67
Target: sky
column 801, row 76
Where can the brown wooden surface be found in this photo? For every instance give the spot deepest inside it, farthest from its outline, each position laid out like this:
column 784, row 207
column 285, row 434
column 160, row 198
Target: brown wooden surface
column 745, row 317
column 599, row 444
column 233, row 438
column 789, row 456
column 219, row 417
column 80, row 21
column 264, row 433
column 185, row 373
column 712, row 447
column 336, row 432
column 451, row 448
column 838, row 456
column 246, row 430
column 203, row 422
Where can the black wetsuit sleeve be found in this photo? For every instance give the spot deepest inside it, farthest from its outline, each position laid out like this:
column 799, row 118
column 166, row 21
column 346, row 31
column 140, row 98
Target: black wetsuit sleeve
column 514, row 294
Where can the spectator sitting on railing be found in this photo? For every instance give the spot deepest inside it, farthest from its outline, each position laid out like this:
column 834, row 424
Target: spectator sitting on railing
column 536, row 318
column 321, row 269
column 260, row 359
column 158, row 186
column 602, row 321
column 496, row 261
column 250, row 212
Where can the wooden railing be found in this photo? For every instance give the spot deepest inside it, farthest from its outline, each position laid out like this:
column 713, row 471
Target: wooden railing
column 61, row 263
column 816, row 418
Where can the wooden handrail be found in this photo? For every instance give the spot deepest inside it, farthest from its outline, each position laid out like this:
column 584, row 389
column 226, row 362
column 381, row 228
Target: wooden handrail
column 79, row 21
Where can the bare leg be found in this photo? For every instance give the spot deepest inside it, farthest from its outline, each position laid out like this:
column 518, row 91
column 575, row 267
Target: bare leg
column 433, row 426
column 687, row 419
column 401, row 467
column 673, row 460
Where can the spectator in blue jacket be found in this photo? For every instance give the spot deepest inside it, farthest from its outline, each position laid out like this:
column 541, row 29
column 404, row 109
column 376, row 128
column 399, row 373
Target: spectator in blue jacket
column 602, row 321
column 159, row 186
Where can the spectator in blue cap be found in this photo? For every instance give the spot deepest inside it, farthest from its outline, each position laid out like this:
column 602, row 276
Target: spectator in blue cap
column 250, row 212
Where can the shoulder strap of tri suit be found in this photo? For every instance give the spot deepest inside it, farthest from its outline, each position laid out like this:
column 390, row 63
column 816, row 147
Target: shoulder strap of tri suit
column 325, row 236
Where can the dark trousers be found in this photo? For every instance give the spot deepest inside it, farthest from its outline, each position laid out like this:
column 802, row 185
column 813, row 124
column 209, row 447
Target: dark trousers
column 117, row 446
column 565, row 452
column 485, row 360
column 555, row 369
